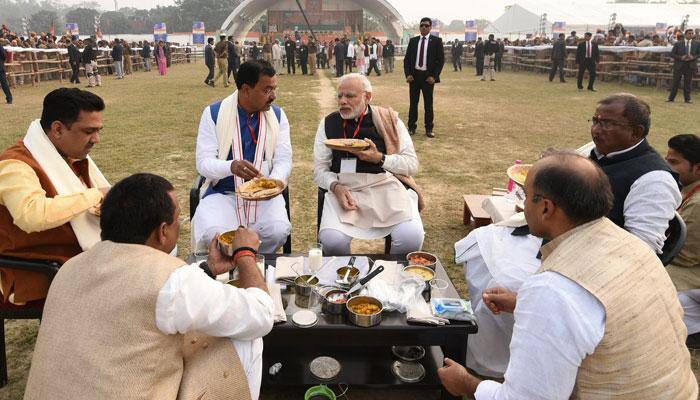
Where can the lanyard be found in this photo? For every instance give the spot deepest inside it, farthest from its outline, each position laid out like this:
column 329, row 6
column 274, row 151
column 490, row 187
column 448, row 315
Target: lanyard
column 252, row 129
column 357, row 130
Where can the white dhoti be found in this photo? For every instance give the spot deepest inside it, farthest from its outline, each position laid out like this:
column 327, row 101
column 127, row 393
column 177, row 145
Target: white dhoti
column 690, row 300
column 250, row 353
column 216, row 214
column 493, row 257
column 405, row 227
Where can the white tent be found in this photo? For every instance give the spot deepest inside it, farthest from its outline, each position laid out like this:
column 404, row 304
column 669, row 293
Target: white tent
column 516, row 21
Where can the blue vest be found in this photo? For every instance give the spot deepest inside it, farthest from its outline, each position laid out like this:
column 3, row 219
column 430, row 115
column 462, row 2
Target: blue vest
column 227, row 185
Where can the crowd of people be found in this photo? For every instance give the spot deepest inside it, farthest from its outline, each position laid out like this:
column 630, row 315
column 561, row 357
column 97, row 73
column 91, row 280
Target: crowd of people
column 572, row 298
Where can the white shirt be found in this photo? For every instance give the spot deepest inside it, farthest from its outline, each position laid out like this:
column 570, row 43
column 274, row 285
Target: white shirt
column 210, row 167
column 650, row 204
column 191, row 301
column 351, row 50
column 557, row 325
column 276, row 51
column 373, row 52
column 405, row 162
column 425, row 53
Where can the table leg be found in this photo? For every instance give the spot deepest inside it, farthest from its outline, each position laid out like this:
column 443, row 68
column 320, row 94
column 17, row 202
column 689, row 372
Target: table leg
column 456, row 350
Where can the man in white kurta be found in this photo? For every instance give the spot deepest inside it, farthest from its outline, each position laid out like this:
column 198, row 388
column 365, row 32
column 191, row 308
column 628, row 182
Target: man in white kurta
column 371, row 193
column 240, row 138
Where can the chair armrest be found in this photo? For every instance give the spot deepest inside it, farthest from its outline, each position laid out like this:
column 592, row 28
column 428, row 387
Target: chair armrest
column 49, row 268
column 195, row 194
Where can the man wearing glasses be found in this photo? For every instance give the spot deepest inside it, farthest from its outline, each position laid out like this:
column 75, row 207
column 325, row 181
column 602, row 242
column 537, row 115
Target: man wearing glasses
column 645, row 188
column 240, row 138
column 422, row 65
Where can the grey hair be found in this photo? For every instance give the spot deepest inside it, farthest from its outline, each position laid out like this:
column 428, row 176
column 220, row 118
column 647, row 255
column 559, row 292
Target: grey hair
column 366, row 84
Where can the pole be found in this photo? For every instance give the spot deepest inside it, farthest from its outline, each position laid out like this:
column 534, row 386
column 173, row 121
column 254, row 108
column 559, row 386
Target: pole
column 313, row 35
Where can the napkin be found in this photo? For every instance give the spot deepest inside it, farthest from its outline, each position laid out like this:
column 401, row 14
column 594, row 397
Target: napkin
column 418, row 311
column 283, row 267
column 276, row 294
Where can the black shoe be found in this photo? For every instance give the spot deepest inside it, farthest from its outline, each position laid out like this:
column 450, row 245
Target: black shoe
column 689, row 102
column 693, row 341
column 669, row 100
column 562, row 81
column 412, row 131
column 430, row 134
column 592, row 90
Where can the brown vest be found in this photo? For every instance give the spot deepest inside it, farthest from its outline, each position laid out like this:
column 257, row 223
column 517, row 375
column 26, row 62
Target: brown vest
column 57, row 244
column 642, row 354
column 99, row 330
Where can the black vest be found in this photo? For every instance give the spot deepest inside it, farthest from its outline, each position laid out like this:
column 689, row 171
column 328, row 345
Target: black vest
column 624, row 169
column 334, row 130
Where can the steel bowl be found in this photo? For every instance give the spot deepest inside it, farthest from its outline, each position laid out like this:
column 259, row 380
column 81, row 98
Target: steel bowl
column 225, row 243
column 425, row 270
column 352, row 276
column 364, row 320
column 428, row 256
column 303, row 288
column 330, row 307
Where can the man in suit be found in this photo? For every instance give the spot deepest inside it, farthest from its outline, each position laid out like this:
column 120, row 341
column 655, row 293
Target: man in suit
column 685, row 55
column 490, row 50
column 388, row 53
column 231, row 59
column 304, row 58
column 74, row 60
column 558, row 57
column 422, row 65
column 499, row 54
column 209, row 61
column 479, row 55
column 118, row 58
column 146, row 55
column 339, row 53
column 457, row 55
column 289, row 49
column 3, row 76
column 587, row 58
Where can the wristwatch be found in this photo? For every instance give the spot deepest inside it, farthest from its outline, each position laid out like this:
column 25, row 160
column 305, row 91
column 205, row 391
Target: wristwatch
column 383, row 160
column 205, row 267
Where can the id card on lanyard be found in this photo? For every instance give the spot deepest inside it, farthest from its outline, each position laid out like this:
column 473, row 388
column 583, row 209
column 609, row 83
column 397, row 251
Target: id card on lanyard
column 349, row 164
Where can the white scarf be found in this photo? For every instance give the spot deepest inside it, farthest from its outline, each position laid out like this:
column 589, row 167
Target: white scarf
column 85, row 225
column 228, row 135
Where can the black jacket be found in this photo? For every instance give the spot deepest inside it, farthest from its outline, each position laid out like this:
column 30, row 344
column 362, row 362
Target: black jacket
column 289, row 48
column 209, row 58
column 303, row 53
column 435, row 61
column 559, row 50
column 146, row 50
column 89, row 55
column 339, row 51
column 581, row 52
column 479, row 50
column 231, row 52
column 117, row 52
column 3, row 57
column 388, row 50
column 457, row 50
column 679, row 50
column 490, row 48
column 73, row 54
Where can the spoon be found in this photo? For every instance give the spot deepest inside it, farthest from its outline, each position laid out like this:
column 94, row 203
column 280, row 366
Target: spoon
column 319, row 270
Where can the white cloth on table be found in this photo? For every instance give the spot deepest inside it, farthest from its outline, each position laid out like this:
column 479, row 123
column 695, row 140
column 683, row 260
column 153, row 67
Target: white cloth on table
column 690, row 300
column 210, row 219
column 191, row 301
column 557, row 325
column 493, row 257
column 405, row 162
column 650, row 204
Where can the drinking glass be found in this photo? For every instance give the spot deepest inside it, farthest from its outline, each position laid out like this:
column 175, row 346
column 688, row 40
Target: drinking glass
column 315, row 257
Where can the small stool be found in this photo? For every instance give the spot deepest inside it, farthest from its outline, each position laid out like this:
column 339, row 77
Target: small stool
column 473, row 210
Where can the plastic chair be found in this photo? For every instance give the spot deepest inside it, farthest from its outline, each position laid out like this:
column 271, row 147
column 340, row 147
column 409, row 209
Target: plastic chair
column 31, row 310
column 196, row 195
column 675, row 239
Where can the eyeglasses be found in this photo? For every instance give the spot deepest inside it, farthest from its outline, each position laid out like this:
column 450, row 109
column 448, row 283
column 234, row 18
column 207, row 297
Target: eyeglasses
column 606, row 123
column 425, row 25
column 535, row 197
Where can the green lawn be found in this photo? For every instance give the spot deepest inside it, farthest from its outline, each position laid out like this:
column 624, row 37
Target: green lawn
column 482, row 127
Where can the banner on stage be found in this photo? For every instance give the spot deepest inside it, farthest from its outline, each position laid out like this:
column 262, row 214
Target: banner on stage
column 73, row 30
column 160, row 32
column 470, row 31
column 661, row 28
column 435, row 31
column 557, row 28
column 198, row 32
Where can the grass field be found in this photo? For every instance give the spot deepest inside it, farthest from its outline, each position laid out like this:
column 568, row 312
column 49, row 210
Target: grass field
column 482, row 127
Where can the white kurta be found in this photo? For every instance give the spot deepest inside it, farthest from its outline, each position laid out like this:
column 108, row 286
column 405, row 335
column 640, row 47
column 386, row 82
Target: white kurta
column 405, row 162
column 191, row 301
column 493, row 257
column 216, row 213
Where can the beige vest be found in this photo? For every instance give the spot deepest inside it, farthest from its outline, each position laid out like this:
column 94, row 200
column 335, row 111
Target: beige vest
column 99, row 340
column 642, row 354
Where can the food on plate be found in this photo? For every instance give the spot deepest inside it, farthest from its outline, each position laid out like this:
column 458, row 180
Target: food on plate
column 347, row 143
column 260, row 188
column 337, row 298
column 422, row 272
column 365, row 308
column 518, row 173
column 227, row 237
column 420, row 260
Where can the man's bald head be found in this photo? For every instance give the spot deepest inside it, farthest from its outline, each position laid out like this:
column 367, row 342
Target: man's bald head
column 574, row 184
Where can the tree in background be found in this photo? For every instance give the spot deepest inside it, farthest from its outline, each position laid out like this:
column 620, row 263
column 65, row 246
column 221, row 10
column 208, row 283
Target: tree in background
column 84, row 17
column 42, row 20
column 113, row 22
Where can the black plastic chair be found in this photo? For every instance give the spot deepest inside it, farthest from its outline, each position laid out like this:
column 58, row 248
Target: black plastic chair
column 31, row 310
column 319, row 213
column 195, row 196
column 675, row 239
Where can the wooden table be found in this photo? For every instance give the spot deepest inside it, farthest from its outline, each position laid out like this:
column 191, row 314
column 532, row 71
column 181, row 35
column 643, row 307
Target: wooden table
column 473, row 209
column 364, row 353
